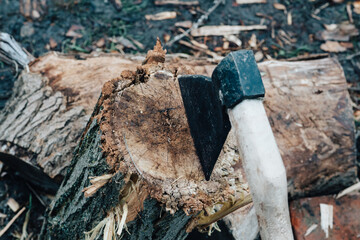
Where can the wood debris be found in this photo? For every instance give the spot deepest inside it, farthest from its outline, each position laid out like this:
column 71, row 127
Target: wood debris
column 250, row 1
column 3, row 231
column 332, row 46
column 161, row 16
column 356, row 5
column 176, row 2
column 52, row 43
column 74, row 31
column 12, row 53
column 310, row 230
column 199, row 22
column 96, row 184
column 280, row 6
column 326, row 212
column 13, row 204
column 348, row 190
column 224, row 30
column 32, row 9
column 184, row 24
column 233, row 39
column 339, row 32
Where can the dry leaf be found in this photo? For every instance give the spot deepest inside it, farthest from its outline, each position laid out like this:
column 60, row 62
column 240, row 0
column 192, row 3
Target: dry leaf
column 339, row 32
column 52, row 43
column 73, row 31
column 332, row 46
column 279, row 6
column 100, row 43
column 13, row 204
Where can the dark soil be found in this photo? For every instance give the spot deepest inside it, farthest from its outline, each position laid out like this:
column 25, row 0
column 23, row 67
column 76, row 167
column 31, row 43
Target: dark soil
column 99, row 19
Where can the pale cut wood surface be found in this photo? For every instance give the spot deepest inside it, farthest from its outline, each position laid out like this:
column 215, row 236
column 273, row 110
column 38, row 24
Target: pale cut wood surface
column 307, row 103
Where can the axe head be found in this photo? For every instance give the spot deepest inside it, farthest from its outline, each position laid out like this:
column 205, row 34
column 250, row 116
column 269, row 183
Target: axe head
column 208, row 121
column 206, row 100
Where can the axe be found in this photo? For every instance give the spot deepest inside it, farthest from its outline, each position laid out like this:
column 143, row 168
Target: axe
column 232, row 97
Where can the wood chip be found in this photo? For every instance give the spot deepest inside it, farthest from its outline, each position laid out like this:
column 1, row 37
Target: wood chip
column 258, row 56
column 184, row 24
column 233, row 39
column 348, row 190
column 252, row 41
column 332, row 46
column 74, row 31
column 279, row 6
column 339, row 32
column 349, row 12
column 356, row 5
column 52, row 43
column 176, row 2
column 224, row 30
column 161, row 16
column 3, row 231
column 289, row 18
column 13, row 204
column 310, row 230
column 326, row 213
column 250, row 1
column 100, row 43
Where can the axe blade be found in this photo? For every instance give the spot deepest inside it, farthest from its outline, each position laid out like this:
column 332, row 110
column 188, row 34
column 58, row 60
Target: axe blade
column 207, row 117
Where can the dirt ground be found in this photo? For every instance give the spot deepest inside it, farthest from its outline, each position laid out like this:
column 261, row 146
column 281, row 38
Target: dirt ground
column 295, row 30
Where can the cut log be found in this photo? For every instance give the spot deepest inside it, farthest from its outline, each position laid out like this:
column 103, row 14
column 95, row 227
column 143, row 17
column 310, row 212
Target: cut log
column 307, row 103
column 138, row 147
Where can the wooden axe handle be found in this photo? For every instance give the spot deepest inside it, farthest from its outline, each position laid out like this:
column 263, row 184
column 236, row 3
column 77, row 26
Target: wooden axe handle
column 264, row 168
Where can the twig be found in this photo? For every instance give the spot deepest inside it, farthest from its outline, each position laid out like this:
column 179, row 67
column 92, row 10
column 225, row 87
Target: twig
column 199, row 22
column 127, row 148
column 3, row 231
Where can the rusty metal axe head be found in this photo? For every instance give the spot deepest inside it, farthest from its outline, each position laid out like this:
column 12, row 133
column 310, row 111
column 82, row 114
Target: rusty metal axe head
column 206, row 100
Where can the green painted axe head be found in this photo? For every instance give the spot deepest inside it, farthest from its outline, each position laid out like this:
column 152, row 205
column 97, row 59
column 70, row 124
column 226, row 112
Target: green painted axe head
column 206, row 100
